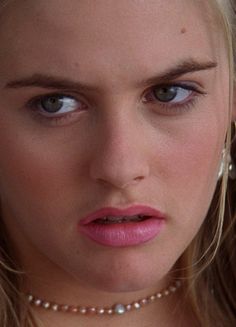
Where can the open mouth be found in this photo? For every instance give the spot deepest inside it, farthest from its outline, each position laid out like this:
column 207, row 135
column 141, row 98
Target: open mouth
column 118, row 227
column 120, row 219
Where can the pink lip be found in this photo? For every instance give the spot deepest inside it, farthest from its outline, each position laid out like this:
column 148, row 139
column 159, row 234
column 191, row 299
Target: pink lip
column 123, row 234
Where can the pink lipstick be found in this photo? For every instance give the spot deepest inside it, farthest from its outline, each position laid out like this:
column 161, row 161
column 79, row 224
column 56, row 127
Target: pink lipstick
column 122, row 227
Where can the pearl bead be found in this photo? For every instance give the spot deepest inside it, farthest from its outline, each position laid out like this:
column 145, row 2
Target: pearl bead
column 109, row 311
column 159, row 295
column 55, row 307
column 38, row 302
column 128, row 307
column 64, row 308
column 136, row 305
column 152, row 298
column 46, row 305
column 119, row 309
column 92, row 310
column 100, row 311
column 30, row 298
column 74, row 309
column 83, row 310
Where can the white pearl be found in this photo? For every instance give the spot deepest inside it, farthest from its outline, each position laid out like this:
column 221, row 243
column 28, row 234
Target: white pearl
column 46, row 305
column 119, row 309
column 83, row 310
column 65, row 308
column 55, row 307
column 92, row 310
column 152, row 298
column 110, row 311
column 159, row 295
column 30, row 298
column 144, row 301
column 136, row 305
column 74, row 309
column 38, row 302
column 100, row 311
column 128, row 307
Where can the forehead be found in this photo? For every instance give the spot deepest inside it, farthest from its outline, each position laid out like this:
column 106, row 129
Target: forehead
column 91, row 34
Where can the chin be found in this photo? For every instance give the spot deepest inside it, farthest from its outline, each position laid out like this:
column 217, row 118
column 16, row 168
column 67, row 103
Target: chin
column 125, row 280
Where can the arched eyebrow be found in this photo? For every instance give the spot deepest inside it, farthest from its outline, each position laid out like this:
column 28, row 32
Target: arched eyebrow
column 183, row 68
column 53, row 82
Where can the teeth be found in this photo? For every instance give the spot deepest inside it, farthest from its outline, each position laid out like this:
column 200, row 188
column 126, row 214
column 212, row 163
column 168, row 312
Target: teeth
column 120, row 219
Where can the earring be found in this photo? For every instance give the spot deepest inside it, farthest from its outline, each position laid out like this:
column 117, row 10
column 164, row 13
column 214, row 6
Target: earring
column 222, row 165
column 232, row 170
column 232, row 157
column 231, row 166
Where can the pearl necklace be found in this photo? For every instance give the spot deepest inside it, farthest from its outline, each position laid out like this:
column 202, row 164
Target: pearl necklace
column 115, row 309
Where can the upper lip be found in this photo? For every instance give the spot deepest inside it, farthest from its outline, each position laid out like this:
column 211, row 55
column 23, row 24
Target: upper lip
column 117, row 212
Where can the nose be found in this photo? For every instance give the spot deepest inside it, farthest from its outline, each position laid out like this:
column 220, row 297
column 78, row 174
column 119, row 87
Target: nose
column 120, row 159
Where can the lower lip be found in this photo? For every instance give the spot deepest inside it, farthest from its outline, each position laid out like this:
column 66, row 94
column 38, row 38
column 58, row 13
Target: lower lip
column 123, row 234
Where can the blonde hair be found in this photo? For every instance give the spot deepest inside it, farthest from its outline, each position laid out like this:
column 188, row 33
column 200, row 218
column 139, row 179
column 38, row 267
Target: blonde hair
column 210, row 259
column 208, row 264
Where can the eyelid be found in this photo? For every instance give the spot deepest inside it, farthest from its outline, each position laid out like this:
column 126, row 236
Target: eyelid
column 187, row 85
column 35, row 101
column 172, row 108
column 57, row 119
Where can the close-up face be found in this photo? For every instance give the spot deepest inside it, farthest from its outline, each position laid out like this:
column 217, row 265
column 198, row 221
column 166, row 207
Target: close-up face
column 120, row 104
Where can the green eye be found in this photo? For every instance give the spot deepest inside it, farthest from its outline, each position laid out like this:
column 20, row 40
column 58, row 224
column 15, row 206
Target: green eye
column 166, row 94
column 55, row 105
column 52, row 104
column 172, row 98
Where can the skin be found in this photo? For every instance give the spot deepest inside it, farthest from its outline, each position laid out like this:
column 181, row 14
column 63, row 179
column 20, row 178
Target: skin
column 117, row 150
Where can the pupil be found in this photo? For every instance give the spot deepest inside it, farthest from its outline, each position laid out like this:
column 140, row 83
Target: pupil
column 166, row 94
column 52, row 104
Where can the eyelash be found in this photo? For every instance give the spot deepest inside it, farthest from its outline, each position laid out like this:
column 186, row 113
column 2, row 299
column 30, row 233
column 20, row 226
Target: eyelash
column 35, row 103
column 175, row 108
column 167, row 108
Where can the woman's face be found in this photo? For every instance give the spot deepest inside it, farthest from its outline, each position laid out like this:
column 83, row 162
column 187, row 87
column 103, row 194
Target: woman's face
column 137, row 116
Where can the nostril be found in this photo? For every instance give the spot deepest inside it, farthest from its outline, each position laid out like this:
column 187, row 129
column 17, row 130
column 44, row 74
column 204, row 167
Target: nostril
column 118, row 184
column 135, row 181
column 119, row 173
column 139, row 178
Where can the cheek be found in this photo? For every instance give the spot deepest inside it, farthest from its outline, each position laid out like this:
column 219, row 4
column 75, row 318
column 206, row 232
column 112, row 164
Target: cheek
column 38, row 180
column 34, row 175
column 196, row 160
column 195, row 146
column 190, row 175
column 195, row 175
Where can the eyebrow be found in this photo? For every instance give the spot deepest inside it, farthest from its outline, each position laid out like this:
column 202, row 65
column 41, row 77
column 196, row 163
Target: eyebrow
column 183, row 68
column 52, row 82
